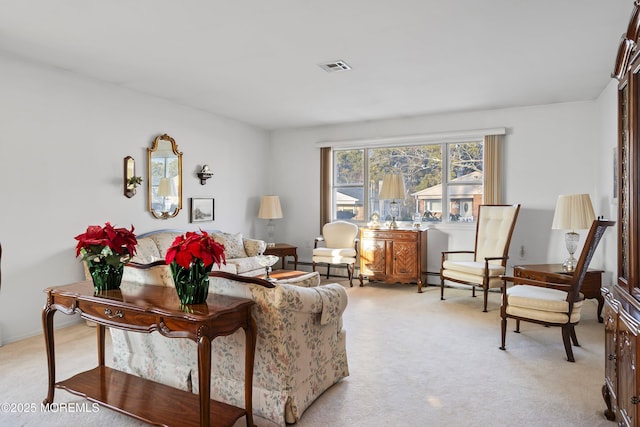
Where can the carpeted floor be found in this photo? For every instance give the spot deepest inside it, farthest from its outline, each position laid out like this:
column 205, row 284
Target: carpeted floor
column 414, row 361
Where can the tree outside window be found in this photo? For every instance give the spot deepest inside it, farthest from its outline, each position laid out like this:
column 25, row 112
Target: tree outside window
column 428, row 181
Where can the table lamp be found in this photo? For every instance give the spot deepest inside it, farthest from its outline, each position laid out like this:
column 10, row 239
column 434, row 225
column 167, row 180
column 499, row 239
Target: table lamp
column 270, row 209
column 392, row 189
column 573, row 212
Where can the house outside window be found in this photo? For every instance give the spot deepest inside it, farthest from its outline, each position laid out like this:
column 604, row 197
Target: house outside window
column 437, row 191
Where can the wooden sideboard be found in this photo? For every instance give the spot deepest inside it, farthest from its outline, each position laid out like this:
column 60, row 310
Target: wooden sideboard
column 145, row 309
column 393, row 256
column 621, row 390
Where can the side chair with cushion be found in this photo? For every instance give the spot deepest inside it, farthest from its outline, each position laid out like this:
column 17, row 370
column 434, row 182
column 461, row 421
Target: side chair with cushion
column 340, row 247
column 483, row 266
column 552, row 304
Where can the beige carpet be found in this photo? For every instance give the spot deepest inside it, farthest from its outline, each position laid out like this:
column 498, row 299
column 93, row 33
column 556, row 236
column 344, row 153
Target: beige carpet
column 414, row 361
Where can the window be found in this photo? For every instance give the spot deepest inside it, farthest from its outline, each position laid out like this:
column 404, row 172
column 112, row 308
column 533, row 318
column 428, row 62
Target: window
column 436, row 190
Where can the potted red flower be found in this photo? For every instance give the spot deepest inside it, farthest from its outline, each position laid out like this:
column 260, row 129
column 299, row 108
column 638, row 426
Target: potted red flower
column 106, row 250
column 191, row 257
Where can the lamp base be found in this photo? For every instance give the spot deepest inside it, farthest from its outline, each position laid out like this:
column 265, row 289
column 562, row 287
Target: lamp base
column 394, row 224
column 571, row 240
column 570, row 264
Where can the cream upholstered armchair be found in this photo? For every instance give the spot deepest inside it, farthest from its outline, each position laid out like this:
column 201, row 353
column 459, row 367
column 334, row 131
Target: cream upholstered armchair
column 340, row 246
column 551, row 304
column 483, row 266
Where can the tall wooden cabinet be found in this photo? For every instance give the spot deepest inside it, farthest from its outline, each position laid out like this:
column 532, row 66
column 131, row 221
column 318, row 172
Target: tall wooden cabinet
column 393, row 256
column 621, row 390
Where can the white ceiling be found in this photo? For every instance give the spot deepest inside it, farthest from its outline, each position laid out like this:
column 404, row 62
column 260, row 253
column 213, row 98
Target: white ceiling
column 257, row 60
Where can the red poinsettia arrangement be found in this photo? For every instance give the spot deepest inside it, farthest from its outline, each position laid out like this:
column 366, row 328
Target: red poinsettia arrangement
column 190, row 258
column 107, row 244
column 192, row 248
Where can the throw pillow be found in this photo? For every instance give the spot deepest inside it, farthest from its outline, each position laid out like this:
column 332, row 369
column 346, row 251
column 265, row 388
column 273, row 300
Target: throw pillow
column 254, row 247
column 233, row 244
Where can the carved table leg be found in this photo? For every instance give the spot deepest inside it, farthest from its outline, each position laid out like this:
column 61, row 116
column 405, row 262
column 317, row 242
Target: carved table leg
column 204, row 378
column 250, row 334
column 600, row 299
column 47, row 326
column 100, row 335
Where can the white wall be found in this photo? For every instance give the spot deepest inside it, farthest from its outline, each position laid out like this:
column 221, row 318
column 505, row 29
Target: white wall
column 63, row 141
column 549, row 150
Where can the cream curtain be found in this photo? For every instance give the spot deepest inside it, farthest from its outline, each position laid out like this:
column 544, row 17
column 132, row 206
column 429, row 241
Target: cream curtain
column 492, row 170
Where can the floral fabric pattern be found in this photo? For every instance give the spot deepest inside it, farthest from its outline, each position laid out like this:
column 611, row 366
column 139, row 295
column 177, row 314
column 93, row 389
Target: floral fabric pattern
column 153, row 247
column 300, row 349
column 233, row 244
column 254, row 247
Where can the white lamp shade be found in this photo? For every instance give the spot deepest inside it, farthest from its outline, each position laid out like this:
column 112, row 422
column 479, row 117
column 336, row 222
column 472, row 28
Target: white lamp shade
column 392, row 187
column 573, row 212
column 270, row 208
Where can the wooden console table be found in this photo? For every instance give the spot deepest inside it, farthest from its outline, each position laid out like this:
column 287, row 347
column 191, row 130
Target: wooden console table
column 547, row 272
column 146, row 308
column 283, row 250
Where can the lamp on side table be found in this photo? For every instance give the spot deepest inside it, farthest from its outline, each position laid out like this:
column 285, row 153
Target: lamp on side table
column 270, row 209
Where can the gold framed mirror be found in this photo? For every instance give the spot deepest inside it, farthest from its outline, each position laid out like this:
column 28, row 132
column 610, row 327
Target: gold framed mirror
column 165, row 178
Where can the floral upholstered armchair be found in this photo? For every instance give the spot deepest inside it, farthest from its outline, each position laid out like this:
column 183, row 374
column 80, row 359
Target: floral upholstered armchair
column 300, row 348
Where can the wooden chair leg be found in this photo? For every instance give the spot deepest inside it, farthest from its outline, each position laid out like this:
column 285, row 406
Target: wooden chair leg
column 350, row 270
column 517, row 331
column 574, row 337
column 503, row 328
column 486, row 297
column 566, row 339
column 313, row 266
column 441, row 288
column 328, row 268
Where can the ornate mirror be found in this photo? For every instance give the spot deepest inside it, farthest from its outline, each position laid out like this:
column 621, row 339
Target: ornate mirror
column 165, row 178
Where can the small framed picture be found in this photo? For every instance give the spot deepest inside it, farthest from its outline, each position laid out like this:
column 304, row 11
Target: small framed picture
column 201, row 210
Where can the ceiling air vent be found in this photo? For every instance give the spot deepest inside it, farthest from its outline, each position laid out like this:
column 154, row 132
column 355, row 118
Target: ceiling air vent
column 331, row 67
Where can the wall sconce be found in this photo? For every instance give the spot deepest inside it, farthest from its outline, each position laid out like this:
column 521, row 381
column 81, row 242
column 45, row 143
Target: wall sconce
column 131, row 181
column 204, row 174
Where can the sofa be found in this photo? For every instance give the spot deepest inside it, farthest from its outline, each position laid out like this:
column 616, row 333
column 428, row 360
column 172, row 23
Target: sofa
column 300, row 346
column 240, row 251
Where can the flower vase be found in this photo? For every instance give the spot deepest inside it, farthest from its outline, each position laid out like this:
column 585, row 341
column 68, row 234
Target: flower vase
column 192, row 284
column 105, row 276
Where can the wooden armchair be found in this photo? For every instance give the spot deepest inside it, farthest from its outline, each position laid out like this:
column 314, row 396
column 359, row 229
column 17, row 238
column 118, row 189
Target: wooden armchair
column 489, row 258
column 551, row 304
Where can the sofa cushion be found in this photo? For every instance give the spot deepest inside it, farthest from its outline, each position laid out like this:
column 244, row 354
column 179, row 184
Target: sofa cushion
column 146, row 251
column 229, row 267
column 245, row 264
column 233, row 244
column 164, row 240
